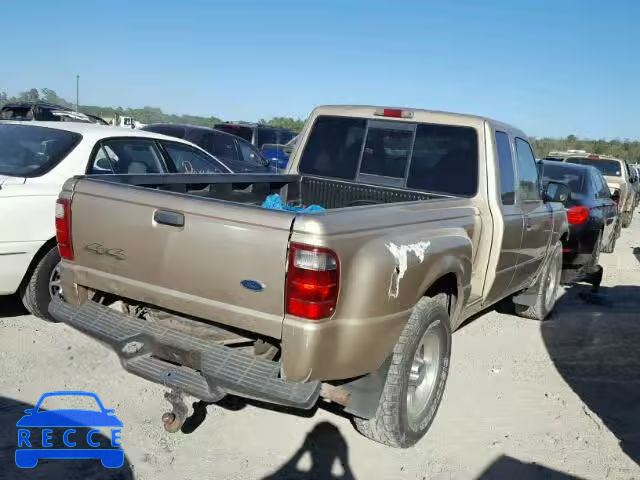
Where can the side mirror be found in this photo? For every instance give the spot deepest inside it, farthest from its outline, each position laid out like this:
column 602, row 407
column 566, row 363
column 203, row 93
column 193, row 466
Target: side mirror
column 556, row 192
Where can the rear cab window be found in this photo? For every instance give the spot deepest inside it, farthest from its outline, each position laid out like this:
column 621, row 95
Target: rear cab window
column 32, row 151
column 418, row 156
column 507, row 174
column 608, row 168
column 574, row 177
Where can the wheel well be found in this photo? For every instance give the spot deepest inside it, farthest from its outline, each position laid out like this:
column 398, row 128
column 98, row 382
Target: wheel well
column 36, row 259
column 447, row 284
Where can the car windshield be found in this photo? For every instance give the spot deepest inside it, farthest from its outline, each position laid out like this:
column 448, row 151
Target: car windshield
column 69, row 402
column 608, row 168
column 273, row 136
column 573, row 177
column 30, row 151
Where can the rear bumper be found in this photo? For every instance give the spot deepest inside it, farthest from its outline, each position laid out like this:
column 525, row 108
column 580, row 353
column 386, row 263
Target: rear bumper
column 199, row 368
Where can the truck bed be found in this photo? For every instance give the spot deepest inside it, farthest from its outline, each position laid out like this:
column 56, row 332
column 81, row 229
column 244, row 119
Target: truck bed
column 252, row 189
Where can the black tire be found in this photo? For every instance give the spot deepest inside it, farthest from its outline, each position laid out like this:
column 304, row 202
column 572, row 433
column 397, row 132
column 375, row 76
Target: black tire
column 628, row 218
column 595, row 254
column 35, row 291
column 546, row 288
column 611, row 244
column 391, row 424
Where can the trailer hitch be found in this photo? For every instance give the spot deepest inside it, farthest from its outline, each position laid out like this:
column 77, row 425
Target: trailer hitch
column 174, row 419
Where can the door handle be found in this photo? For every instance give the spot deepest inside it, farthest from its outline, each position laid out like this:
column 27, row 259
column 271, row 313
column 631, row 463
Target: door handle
column 173, row 219
column 609, row 221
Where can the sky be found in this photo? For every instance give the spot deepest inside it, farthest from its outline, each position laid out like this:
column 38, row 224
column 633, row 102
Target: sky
column 549, row 67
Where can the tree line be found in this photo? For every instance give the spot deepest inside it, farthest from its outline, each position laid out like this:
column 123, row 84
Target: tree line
column 626, row 149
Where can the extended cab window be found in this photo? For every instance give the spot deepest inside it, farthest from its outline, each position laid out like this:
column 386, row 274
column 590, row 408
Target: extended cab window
column 507, row 176
column 528, row 184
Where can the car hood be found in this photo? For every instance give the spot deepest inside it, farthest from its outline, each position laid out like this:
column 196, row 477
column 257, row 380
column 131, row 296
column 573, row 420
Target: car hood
column 7, row 180
column 69, row 418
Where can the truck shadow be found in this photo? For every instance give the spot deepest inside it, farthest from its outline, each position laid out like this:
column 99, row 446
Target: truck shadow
column 594, row 342
column 11, row 306
column 327, row 449
column 506, row 467
column 11, row 411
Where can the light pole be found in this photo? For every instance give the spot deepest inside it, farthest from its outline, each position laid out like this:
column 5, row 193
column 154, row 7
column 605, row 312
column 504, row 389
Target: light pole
column 77, row 91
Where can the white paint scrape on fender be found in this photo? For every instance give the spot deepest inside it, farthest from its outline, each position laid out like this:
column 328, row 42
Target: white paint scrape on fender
column 400, row 253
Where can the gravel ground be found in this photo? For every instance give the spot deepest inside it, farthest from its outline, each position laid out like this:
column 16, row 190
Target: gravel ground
column 524, row 400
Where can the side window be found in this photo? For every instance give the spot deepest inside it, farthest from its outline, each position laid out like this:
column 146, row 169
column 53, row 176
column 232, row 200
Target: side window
column 187, row 159
column 101, row 163
column 127, row 156
column 528, row 189
column 221, row 146
column 507, row 175
column 603, row 190
column 250, row 155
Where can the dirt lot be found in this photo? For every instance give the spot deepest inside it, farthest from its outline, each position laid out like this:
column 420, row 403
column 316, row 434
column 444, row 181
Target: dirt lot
column 524, row 400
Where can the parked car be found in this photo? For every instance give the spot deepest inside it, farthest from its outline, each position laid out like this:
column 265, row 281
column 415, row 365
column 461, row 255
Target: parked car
column 428, row 219
column 279, row 154
column 235, row 152
column 256, row 133
column 592, row 215
column 42, row 111
column 35, row 160
column 617, row 173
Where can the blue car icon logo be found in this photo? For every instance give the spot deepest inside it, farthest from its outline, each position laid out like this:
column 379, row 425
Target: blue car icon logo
column 39, row 430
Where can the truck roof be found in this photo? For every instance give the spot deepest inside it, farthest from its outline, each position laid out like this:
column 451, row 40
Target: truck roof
column 418, row 114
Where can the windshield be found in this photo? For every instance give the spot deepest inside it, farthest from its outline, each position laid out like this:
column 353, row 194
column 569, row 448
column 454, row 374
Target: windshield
column 608, row 168
column 273, row 136
column 30, row 151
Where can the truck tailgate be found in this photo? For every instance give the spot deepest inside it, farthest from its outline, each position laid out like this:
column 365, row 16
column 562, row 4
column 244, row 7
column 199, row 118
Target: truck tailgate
column 215, row 260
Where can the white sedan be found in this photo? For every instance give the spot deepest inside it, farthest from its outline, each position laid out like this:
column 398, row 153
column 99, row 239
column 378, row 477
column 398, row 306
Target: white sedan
column 35, row 160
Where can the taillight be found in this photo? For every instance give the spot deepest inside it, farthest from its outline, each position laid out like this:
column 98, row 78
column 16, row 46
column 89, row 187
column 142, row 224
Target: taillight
column 63, row 228
column 312, row 282
column 577, row 215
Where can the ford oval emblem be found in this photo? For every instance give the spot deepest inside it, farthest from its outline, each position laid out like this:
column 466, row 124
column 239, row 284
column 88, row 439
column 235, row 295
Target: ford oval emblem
column 252, row 285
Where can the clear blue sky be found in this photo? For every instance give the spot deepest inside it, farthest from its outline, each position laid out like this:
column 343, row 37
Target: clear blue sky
column 550, row 67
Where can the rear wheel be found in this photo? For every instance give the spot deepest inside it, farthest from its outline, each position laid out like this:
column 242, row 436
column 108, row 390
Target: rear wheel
column 628, row 218
column 416, row 378
column 43, row 285
column 546, row 288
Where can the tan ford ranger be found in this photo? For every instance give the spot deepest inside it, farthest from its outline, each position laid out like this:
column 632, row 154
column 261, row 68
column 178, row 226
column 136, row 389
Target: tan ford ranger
column 428, row 218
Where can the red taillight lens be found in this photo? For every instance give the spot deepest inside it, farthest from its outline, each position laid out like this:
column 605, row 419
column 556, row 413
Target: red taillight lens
column 394, row 113
column 312, row 282
column 577, row 215
column 63, row 228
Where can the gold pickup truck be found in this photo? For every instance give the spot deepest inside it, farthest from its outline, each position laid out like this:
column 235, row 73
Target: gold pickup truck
column 426, row 218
